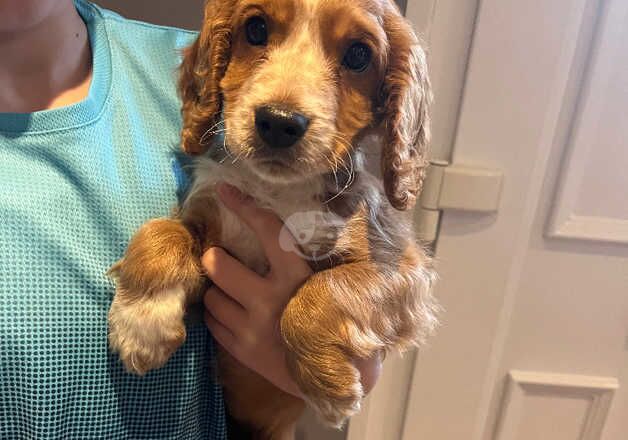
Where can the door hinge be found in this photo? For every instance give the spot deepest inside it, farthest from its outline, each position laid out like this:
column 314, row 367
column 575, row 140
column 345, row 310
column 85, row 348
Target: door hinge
column 455, row 187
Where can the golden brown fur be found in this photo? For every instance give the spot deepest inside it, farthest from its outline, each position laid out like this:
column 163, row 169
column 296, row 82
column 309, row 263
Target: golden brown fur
column 372, row 281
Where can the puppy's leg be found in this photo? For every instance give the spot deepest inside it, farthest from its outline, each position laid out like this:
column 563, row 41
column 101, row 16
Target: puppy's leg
column 154, row 281
column 348, row 312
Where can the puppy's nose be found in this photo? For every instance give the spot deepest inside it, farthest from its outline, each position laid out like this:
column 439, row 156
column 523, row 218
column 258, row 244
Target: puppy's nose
column 280, row 127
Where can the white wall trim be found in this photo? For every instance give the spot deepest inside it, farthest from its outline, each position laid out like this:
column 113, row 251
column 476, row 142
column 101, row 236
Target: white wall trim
column 521, row 383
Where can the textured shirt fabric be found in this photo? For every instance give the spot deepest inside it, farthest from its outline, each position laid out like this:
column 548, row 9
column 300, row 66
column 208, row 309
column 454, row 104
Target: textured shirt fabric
column 75, row 183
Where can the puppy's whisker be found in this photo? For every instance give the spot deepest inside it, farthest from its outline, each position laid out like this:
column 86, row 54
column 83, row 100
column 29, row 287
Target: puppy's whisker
column 238, row 156
column 244, row 151
column 226, row 150
column 344, row 188
column 210, row 132
column 334, row 169
column 205, row 140
column 214, row 126
column 349, row 168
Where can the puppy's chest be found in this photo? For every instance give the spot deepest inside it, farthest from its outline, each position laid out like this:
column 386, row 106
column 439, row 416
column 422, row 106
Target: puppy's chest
column 309, row 229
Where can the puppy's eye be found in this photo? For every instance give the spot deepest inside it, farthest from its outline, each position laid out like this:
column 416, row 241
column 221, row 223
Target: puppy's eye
column 357, row 57
column 256, row 31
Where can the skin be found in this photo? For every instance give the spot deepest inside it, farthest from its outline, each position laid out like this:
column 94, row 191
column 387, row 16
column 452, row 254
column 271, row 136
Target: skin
column 49, row 65
column 46, row 59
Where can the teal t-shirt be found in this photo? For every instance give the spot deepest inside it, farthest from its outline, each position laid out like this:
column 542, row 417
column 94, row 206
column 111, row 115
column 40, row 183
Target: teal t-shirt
column 75, row 183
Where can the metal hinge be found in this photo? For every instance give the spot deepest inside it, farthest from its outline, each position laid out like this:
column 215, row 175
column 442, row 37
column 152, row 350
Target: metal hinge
column 455, row 187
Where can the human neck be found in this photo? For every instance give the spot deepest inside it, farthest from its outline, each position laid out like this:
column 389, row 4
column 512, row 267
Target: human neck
column 45, row 66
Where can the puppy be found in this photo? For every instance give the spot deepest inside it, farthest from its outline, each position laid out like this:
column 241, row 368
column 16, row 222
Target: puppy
column 279, row 97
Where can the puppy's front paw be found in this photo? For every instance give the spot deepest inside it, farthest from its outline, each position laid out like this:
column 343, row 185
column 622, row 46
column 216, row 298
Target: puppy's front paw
column 330, row 382
column 145, row 330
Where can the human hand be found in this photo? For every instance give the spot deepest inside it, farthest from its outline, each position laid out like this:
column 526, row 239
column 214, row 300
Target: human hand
column 243, row 309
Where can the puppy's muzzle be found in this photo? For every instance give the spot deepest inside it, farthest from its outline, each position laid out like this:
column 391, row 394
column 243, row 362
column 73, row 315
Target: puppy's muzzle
column 280, row 127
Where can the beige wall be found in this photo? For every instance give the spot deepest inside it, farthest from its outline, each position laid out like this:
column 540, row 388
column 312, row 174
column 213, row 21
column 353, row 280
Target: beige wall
column 180, row 13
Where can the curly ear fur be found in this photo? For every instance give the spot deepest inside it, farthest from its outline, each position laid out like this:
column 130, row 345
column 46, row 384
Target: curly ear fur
column 204, row 65
column 407, row 96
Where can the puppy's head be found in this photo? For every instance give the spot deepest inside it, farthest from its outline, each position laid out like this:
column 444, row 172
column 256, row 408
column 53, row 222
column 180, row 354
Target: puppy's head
column 298, row 82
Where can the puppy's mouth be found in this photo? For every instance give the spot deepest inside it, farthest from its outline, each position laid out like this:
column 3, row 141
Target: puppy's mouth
column 273, row 163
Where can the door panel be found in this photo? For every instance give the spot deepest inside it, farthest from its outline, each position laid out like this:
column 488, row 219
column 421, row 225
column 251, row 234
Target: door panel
column 587, row 207
column 578, row 406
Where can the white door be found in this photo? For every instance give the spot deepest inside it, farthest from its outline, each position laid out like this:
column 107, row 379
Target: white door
column 534, row 341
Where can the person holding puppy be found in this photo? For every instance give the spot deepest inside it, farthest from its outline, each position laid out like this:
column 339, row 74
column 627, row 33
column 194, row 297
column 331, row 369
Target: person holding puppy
column 89, row 120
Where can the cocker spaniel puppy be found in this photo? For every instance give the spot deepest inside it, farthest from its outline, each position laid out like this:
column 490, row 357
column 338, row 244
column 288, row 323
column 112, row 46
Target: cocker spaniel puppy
column 278, row 99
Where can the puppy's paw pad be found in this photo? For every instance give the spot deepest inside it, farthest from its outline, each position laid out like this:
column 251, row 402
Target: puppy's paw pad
column 146, row 332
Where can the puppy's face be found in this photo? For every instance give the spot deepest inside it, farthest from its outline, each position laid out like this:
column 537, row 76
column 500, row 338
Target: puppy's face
column 297, row 82
column 301, row 84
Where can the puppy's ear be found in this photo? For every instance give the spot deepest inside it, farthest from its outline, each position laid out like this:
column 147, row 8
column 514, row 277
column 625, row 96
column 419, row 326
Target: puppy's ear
column 204, row 65
column 406, row 96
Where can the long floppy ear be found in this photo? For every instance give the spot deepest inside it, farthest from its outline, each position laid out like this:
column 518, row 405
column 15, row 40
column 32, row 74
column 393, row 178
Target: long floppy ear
column 407, row 97
column 204, row 65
